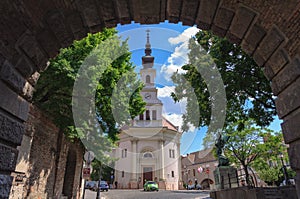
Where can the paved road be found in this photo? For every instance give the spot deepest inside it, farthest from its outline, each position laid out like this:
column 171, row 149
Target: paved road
column 140, row 194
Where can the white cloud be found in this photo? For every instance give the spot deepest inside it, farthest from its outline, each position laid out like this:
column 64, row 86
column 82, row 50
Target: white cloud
column 180, row 55
column 165, row 91
column 185, row 36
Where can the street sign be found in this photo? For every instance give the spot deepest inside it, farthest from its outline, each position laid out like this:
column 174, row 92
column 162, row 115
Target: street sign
column 86, row 173
column 89, row 157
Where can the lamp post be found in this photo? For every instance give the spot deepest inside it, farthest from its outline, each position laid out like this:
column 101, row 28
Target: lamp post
column 286, row 178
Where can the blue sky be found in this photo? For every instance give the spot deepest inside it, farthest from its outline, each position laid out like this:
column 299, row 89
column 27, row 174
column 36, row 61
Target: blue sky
column 169, row 47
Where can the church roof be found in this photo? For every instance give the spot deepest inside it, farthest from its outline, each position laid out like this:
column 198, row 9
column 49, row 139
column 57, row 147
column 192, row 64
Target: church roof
column 168, row 124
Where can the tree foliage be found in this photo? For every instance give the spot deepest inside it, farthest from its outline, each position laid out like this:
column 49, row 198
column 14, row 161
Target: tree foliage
column 256, row 148
column 248, row 92
column 245, row 145
column 54, row 89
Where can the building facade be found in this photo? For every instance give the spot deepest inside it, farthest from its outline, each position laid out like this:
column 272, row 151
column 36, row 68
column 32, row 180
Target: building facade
column 198, row 168
column 149, row 149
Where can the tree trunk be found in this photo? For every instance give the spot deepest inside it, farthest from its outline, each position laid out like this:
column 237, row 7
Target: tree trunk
column 247, row 175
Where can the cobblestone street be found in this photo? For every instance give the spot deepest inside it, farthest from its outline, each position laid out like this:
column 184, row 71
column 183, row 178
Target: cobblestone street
column 140, row 194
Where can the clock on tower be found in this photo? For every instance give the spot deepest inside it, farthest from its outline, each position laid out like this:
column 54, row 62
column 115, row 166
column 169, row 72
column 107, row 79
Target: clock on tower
column 147, row 96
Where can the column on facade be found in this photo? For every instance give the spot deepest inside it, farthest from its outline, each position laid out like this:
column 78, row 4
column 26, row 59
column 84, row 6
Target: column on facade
column 134, row 158
column 179, row 162
column 162, row 162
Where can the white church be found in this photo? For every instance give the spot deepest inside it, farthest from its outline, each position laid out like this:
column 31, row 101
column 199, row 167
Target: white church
column 149, row 149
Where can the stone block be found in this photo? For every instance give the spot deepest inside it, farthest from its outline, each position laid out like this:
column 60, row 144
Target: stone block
column 9, row 74
column 276, row 62
column 206, row 13
column 291, row 127
column 29, row 46
column 269, row 44
column 16, row 81
column 11, row 130
column 108, row 13
column 163, row 8
column 294, row 155
column 122, row 10
column 189, row 12
column 76, row 24
column 174, row 10
column 288, row 100
column 48, row 42
column 252, row 39
column 12, row 103
column 286, row 76
column 8, row 158
column 90, row 12
column 56, row 22
column 222, row 21
column 25, row 67
column 34, row 78
column 5, row 185
column 225, row 177
column 240, row 24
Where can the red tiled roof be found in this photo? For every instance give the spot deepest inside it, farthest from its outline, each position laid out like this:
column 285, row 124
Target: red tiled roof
column 168, row 124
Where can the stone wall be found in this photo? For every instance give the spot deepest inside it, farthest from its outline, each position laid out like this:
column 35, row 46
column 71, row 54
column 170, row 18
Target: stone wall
column 286, row 192
column 32, row 33
column 42, row 160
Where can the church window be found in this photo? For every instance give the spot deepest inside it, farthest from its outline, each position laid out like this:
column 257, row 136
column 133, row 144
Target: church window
column 147, row 115
column 172, row 174
column 194, row 172
column 154, row 115
column 122, row 174
column 147, row 155
column 148, row 79
column 124, row 153
column 142, row 116
column 171, row 153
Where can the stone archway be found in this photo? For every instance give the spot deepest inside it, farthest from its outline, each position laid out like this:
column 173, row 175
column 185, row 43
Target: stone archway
column 32, row 32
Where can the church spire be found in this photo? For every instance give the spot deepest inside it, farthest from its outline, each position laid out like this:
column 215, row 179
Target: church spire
column 148, row 45
column 148, row 60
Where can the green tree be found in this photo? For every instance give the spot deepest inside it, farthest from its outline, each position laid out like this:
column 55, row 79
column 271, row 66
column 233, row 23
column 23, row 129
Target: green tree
column 248, row 92
column 268, row 164
column 54, row 89
column 245, row 145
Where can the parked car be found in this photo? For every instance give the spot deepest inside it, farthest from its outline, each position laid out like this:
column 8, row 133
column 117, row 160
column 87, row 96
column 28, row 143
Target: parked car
column 92, row 185
column 150, row 186
column 104, row 186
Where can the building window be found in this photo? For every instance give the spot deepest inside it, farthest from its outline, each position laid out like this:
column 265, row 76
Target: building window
column 124, row 153
column 147, row 115
column 154, row 115
column 142, row 116
column 148, row 79
column 172, row 174
column 171, row 153
column 194, row 172
column 147, row 155
column 122, row 174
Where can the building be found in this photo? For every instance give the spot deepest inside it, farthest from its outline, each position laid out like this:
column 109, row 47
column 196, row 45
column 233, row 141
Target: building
column 199, row 167
column 149, row 149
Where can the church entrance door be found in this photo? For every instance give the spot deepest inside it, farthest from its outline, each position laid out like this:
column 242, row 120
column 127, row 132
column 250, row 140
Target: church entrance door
column 147, row 174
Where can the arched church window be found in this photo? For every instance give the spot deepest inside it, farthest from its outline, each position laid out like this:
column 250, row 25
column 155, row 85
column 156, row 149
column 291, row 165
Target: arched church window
column 147, row 115
column 142, row 116
column 148, row 155
column 148, row 79
column 153, row 114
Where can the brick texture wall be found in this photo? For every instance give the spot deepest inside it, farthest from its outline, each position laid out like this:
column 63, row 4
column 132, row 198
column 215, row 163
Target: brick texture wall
column 42, row 161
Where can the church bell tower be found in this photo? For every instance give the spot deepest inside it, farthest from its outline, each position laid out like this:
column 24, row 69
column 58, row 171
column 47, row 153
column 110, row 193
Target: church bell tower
column 153, row 111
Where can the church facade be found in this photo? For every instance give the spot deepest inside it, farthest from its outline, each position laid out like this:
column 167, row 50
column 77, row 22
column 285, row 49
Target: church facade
column 149, row 149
